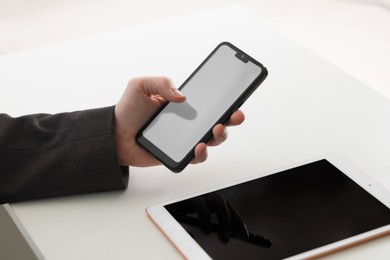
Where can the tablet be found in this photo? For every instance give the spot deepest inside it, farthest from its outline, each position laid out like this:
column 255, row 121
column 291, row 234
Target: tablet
column 302, row 211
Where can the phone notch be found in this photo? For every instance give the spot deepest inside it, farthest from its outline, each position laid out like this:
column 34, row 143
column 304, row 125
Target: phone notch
column 242, row 57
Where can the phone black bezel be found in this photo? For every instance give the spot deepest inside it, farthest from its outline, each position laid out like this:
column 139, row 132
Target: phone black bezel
column 179, row 166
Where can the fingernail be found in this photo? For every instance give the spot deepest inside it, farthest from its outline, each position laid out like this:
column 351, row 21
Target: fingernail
column 224, row 133
column 176, row 92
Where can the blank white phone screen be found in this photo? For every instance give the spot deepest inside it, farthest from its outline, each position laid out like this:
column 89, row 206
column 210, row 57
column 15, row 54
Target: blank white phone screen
column 209, row 94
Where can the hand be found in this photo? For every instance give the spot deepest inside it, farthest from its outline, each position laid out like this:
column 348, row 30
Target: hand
column 142, row 98
column 229, row 221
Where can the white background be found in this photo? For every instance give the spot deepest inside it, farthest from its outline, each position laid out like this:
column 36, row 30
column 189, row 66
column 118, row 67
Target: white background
column 352, row 34
column 283, row 120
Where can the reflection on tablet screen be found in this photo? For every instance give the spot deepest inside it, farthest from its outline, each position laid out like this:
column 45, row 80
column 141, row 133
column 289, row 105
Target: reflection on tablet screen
column 280, row 215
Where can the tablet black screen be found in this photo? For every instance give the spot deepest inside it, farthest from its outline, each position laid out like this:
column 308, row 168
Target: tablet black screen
column 280, row 215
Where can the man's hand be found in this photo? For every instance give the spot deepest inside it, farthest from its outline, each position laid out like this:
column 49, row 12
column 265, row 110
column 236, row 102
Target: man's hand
column 142, row 98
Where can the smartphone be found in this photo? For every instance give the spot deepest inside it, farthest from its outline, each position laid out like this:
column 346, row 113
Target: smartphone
column 217, row 88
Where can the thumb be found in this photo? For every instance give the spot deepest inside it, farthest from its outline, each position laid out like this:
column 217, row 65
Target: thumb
column 164, row 87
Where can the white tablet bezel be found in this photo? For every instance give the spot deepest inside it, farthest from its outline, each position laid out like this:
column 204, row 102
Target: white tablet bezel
column 190, row 249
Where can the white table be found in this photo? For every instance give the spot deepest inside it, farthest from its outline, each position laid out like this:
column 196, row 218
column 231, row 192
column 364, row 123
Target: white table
column 305, row 108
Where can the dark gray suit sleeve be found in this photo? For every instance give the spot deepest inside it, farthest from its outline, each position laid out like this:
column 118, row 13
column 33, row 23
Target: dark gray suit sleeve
column 54, row 155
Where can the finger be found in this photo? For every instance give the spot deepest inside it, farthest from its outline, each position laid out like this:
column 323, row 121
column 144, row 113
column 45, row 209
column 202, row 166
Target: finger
column 162, row 86
column 239, row 228
column 219, row 135
column 200, row 153
column 218, row 203
column 200, row 207
column 236, row 118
